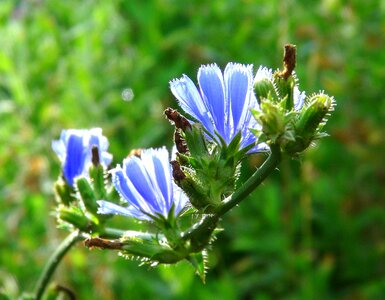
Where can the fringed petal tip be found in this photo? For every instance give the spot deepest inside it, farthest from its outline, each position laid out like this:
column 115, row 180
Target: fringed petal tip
column 263, row 73
column 299, row 98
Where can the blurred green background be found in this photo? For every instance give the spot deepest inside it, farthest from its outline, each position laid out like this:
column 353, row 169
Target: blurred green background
column 314, row 230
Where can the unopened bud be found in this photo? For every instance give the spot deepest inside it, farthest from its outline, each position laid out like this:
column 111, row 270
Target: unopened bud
column 313, row 115
column 97, row 175
column 312, row 118
column 75, row 217
column 272, row 120
column 264, row 89
column 64, row 193
column 87, row 195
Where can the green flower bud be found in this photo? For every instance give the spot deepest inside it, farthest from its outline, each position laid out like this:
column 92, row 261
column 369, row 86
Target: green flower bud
column 87, row 195
column 97, row 176
column 272, row 120
column 64, row 193
column 312, row 117
column 310, row 122
column 75, row 217
column 264, row 89
column 285, row 88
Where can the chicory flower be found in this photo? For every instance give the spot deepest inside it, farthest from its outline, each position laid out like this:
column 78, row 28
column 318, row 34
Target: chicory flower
column 222, row 103
column 146, row 185
column 75, row 151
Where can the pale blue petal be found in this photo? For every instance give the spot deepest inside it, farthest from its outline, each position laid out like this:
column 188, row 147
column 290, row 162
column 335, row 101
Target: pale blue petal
column 299, row 98
column 191, row 101
column 59, row 148
column 210, row 80
column 97, row 139
column 75, row 158
column 180, row 199
column 238, row 79
column 137, row 175
column 224, row 102
column 157, row 165
column 126, row 190
column 74, row 150
column 109, row 208
column 146, row 184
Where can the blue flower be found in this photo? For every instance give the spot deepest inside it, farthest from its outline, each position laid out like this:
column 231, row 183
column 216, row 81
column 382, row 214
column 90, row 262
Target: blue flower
column 265, row 73
column 222, row 103
column 146, row 185
column 75, row 151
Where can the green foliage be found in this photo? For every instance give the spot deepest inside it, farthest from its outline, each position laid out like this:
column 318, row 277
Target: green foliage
column 315, row 230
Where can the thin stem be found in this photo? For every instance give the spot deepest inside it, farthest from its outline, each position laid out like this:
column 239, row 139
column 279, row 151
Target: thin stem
column 250, row 185
column 54, row 261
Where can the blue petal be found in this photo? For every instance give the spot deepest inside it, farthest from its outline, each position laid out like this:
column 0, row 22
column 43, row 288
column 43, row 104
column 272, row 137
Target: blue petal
column 210, row 80
column 110, row 208
column 157, row 165
column 238, row 82
column 140, row 180
column 180, row 199
column 299, row 98
column 127, row 191
column 191, row 101
column 74, row 150
column 75, row 158
column 146, row 184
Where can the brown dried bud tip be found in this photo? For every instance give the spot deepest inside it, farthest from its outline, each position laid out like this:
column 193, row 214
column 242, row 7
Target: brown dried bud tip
column 289, row 60
column 174, row 116
column 180, row 142
column 135, row 152
column 95, row 156
column 103, row 244
column 177, row 172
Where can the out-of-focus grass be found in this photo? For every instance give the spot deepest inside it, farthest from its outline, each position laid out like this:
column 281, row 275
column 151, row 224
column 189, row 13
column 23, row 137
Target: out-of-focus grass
column 314, row 230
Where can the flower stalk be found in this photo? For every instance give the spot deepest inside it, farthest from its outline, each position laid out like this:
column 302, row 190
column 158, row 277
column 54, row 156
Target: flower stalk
column 209, row 223
column 54, row 261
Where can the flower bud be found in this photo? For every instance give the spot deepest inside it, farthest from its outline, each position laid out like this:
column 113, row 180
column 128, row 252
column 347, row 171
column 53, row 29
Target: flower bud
column 285, row 88
column 64, row 193
column 311, row 120
column 312, row 117
column 272, row 120
column 98, row 181
column 75, row 217
column 264, row 89
column 87, row 195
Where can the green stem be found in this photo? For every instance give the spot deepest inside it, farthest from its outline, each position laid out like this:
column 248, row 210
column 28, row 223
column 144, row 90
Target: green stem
column 250, row 185
column 54, row 261
column 111, row 233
